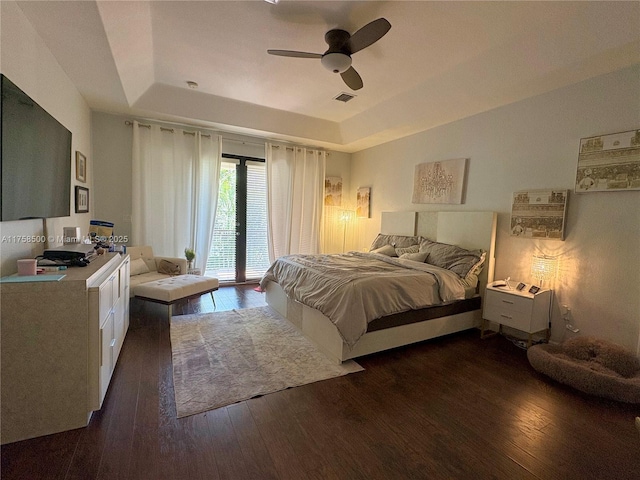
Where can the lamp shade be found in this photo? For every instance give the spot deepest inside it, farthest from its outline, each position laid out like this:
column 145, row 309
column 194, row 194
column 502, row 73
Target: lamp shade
column 543, row 268
column 336, row 62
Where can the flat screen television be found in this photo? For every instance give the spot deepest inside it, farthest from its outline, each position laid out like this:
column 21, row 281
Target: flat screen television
column 35, row 158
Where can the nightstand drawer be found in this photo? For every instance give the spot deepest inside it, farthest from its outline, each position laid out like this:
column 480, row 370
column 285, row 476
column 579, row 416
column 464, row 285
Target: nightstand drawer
column 508, row 316
column 512, row 303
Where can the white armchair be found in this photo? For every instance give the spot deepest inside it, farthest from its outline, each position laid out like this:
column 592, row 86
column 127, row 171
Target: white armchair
column 144, row 266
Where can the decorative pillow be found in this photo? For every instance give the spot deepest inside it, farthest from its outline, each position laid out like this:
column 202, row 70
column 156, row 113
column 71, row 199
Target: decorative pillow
column 138, row 267
column 387, row 250
column 416, row 256
column 454, row 258
column 477, row 268
column 411, row 249
column 424, row 244
column 168, row 268
column 397, row 241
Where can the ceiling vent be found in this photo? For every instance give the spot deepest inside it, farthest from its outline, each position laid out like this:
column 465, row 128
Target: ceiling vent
column 344, row 97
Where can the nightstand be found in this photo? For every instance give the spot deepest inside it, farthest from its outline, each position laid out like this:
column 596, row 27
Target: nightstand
column 520, row 310
column 194, row 271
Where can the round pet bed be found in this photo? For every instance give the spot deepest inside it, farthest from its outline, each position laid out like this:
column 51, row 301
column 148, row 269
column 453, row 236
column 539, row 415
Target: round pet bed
column 592, row 366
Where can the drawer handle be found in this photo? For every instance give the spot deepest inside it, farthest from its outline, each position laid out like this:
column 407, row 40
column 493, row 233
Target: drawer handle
column 506, row 316
column 113, row 342
column 507, row 301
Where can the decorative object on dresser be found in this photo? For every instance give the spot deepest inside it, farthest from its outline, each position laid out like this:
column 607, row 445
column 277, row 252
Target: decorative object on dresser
column 609, row 163
column 440, row 182
column 226, row 357
column 60, row 343
column 539, row 214
column 520, row 309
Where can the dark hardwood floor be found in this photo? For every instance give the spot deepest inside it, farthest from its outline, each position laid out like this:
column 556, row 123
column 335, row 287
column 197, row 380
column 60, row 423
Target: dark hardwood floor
column 451, row 408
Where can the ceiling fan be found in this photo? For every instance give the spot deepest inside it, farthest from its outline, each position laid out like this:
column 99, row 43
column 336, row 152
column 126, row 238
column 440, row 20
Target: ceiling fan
column 341, row 46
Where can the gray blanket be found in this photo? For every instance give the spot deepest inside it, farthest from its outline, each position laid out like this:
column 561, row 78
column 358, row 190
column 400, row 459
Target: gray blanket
column 355, row 288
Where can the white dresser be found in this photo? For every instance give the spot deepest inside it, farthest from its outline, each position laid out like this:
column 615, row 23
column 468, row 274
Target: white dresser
column 60, row 343
column 521, row 310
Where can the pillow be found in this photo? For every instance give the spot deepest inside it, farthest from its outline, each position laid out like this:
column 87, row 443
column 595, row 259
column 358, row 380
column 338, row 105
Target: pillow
column 138, row 267
column 416, row 256
column 387, row 250
column 168, row 268
column 470, row 281
column 399, row 241
column 411, row 249
column 477, row 268
column 454, row 258
column 424, row 244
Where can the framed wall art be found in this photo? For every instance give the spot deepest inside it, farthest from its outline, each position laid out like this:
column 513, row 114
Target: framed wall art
column 333, row 191
column 81, row 167
column 363, row 200
column 608, row 163
column 82, row 199
column 440, row 182
column 539, row 214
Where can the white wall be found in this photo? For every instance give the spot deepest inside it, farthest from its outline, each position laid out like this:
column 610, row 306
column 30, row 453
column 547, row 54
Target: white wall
column 28, row 63
column 533, row 144
column 112, row 148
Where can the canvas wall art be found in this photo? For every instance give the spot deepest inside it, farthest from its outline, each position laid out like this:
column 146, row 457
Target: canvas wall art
column 539, row 214
column 333, row 191
column 362, row 202
column 440, row 182
column 609, row 163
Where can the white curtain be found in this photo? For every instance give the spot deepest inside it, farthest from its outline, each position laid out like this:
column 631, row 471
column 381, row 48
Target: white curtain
column 295, row 193
column 175, row 189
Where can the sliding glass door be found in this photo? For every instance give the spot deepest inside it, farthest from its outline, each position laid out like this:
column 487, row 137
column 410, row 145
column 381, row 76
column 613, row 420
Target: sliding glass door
column 239, row 250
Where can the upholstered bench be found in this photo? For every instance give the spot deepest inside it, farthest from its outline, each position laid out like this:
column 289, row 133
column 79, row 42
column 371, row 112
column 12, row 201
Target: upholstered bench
column 172, row 289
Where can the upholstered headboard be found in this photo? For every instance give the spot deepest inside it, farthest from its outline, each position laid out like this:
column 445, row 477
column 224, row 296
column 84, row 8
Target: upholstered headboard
column 470, row 230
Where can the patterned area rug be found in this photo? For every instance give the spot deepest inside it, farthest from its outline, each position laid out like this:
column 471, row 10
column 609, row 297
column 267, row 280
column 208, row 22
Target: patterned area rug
column 226, row 357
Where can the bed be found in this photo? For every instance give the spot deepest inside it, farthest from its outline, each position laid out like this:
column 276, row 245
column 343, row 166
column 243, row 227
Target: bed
column 459, row 311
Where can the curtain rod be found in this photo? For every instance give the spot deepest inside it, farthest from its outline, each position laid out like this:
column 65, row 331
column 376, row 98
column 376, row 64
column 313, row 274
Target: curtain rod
column 165, row 129
column 243, row 142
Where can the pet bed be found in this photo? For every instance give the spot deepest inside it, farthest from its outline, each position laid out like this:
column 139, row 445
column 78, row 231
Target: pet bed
column 592, row 366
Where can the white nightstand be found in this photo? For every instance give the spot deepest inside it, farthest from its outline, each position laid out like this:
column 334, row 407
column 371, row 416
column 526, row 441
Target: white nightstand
column 194, row 271
column 520, row 310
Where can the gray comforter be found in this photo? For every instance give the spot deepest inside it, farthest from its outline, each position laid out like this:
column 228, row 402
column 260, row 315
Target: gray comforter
column 355, row 288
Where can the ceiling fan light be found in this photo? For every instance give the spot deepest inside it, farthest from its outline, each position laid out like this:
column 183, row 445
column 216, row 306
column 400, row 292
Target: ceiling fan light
column 336, row 62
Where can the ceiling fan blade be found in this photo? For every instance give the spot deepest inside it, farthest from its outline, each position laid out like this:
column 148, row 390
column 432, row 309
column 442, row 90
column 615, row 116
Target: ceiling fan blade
column 293, row 53
column 370, row 33
column 352, row 78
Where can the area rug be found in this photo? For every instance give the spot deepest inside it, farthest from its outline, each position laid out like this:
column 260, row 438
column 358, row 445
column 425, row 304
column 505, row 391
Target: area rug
column 226, row 357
